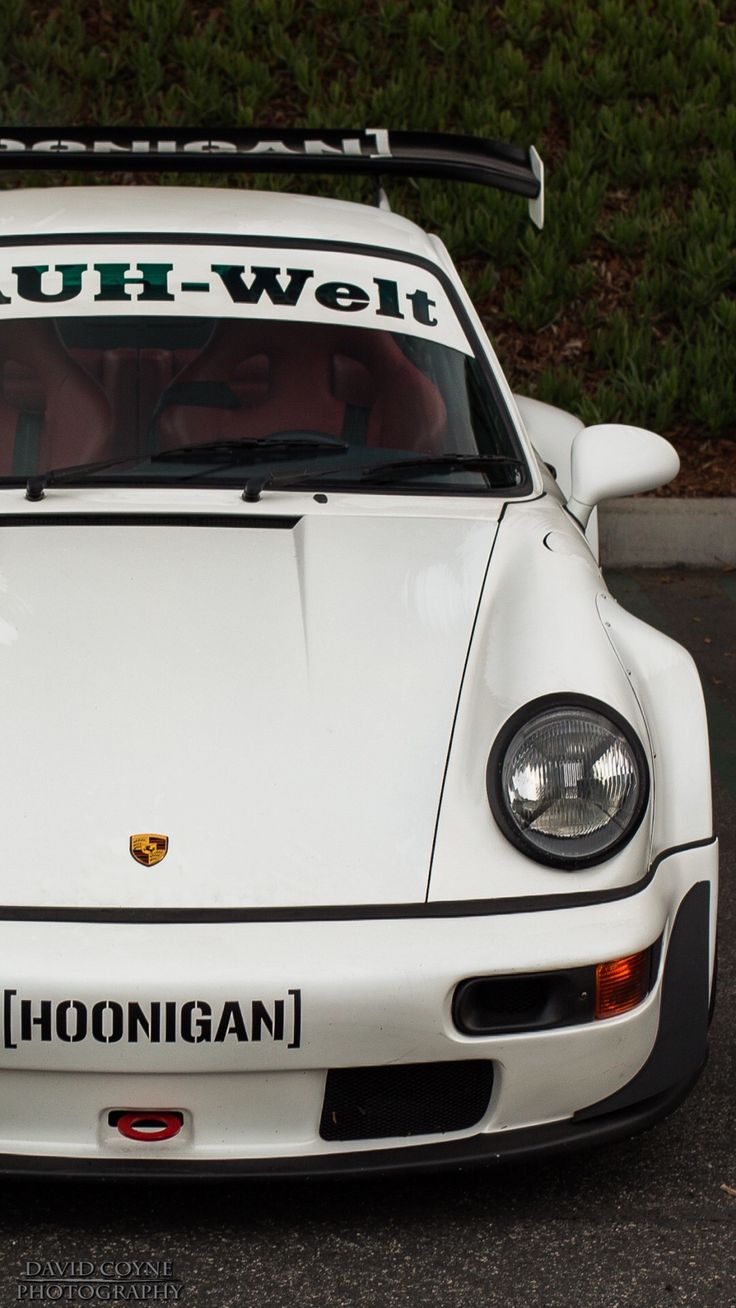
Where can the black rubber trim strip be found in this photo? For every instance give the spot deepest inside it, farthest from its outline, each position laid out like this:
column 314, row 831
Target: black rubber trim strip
column 523, row 490
column 530, row 1143
column 236, row 239
column 113, row 519
column 682, row 1034
column 346, row 912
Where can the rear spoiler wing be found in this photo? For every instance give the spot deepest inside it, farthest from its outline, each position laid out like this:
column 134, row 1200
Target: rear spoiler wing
column 372, row 150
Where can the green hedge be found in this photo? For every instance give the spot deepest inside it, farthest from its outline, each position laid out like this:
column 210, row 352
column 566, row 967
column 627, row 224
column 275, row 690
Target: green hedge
column 623, row 307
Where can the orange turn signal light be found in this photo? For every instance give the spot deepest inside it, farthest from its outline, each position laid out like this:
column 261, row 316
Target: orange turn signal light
column 621, row 984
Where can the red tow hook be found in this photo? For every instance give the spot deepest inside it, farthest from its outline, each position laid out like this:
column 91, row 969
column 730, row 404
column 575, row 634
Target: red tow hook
column 149, row 1126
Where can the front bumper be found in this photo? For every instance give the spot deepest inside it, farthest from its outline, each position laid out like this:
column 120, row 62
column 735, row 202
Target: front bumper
column 370, row 993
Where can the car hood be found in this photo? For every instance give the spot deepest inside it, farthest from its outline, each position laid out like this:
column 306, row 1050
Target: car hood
column 275, row 696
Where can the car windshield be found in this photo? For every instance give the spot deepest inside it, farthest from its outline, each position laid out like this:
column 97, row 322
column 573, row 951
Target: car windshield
column 308, row 364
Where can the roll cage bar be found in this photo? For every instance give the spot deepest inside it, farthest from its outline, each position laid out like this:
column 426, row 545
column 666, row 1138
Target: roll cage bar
column 370, row 150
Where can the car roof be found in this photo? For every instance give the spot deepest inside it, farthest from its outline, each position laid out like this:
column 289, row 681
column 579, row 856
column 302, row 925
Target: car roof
column 215, row 211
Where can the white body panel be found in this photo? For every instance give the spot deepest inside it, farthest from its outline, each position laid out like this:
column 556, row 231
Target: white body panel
column 538, row 633
column 50, row 211
column 276, row 701
column 552, row 432
column 372, row 992
column 668, row 688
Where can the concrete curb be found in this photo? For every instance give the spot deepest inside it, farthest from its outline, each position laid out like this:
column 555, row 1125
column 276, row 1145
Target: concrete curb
column 664, row 533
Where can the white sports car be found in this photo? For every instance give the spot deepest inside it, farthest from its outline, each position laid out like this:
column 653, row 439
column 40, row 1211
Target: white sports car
column 348, row 822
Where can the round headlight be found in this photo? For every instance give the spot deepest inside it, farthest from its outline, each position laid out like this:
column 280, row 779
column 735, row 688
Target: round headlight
column 568, row 781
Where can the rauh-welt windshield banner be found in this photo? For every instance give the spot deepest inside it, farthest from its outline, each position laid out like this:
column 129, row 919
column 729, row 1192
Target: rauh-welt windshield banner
column 219, row 281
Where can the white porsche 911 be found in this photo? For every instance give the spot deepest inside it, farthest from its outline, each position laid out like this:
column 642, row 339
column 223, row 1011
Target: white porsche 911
column 348, row 822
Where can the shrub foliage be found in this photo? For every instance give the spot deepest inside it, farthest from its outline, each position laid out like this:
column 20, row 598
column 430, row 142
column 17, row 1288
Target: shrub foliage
column 623, row 307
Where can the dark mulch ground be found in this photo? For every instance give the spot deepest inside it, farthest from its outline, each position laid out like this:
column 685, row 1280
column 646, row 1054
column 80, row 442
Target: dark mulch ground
column 708, row 467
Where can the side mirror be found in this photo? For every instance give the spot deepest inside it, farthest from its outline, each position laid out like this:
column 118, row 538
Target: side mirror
column 611, row 459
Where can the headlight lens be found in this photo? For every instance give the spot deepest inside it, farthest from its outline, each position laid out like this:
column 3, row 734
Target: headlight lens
column 568, row 781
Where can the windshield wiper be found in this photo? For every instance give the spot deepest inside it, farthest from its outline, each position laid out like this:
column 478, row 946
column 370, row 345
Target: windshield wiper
column 247, row 447
column 287, row 443
column 36, row 485
column 385, row 471
column 434, row 464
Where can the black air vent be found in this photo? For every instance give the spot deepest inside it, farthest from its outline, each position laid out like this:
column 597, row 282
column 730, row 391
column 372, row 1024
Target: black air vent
column 252, row 521
column 366, row 1103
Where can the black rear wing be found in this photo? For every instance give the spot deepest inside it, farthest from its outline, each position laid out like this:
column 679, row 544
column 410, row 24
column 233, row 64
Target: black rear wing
column 371, row 150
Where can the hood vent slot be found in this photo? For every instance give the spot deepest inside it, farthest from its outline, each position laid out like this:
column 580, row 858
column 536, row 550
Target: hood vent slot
column 247, row 520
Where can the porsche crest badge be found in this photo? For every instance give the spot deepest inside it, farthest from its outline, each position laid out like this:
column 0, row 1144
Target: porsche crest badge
column 148, row 849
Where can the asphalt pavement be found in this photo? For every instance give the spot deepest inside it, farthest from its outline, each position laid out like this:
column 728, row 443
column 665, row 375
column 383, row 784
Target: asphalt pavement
column 641, row 1224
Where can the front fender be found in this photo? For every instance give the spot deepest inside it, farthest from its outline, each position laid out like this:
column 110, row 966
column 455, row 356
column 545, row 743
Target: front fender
column 537, row 633
column 666, row 683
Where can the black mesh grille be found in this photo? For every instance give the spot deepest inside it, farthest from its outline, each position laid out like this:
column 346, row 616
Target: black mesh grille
column 364, row 1103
